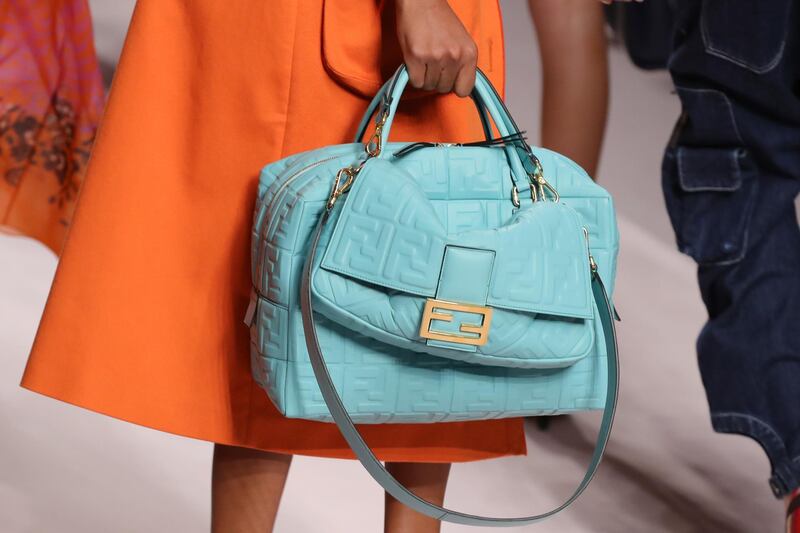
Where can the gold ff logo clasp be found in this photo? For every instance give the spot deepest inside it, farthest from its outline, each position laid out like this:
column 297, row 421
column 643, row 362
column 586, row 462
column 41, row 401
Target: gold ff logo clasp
column 476, row 334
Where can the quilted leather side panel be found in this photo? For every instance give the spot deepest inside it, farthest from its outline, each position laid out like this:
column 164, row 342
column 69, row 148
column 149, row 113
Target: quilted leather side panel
column 593, row 204
column 381, row 385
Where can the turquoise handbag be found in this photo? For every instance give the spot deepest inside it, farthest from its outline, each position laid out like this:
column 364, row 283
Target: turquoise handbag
column 420, row 282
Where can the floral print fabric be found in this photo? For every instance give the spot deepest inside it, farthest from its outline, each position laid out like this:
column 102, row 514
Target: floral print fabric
column 51, row 99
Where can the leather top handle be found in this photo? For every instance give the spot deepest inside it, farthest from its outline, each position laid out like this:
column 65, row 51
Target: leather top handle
column 490, row 100
column 378, row 100
column 374, row 466
column 483, row 90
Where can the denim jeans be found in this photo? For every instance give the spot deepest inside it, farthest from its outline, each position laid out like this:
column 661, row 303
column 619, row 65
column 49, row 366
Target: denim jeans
column 730, row 177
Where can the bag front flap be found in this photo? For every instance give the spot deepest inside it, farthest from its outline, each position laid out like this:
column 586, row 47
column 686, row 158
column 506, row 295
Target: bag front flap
column 516, row 295
column 389, row 235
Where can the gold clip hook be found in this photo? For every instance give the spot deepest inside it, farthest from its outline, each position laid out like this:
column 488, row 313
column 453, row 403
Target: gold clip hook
column 539, row 185
column 341, row 184
column 345, row 177
column 375, row 143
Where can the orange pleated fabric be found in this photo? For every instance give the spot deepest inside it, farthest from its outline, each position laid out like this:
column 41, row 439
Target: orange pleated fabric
column 144, row 321
column 51, row 99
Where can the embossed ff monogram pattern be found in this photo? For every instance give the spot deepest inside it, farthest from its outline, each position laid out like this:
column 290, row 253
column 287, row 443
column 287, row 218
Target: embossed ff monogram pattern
column 463, row 191
column 540, row 273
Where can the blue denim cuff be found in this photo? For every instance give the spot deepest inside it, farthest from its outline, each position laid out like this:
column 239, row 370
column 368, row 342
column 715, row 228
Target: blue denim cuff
column 785, row 470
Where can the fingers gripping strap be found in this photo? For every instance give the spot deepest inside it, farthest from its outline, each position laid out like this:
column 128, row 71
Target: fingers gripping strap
column 374, row 466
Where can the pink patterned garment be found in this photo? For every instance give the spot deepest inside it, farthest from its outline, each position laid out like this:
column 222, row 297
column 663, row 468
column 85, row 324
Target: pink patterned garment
column 51, row 99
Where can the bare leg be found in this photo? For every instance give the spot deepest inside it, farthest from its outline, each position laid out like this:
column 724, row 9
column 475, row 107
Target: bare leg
column 426, row 480
column 246, row 488
column 573, row 48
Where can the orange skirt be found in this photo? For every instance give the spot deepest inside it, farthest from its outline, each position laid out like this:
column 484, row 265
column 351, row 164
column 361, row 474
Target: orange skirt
column 144, row 320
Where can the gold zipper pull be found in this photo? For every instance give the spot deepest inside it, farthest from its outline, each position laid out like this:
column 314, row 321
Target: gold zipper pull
column 592, row 263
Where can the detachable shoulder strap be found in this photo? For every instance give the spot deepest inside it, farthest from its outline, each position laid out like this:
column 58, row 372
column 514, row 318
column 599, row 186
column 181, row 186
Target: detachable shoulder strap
column 374, row 466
